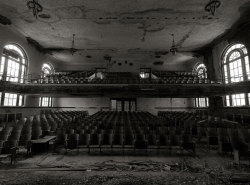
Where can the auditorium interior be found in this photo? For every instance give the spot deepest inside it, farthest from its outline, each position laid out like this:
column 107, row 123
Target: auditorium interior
column 121, row 92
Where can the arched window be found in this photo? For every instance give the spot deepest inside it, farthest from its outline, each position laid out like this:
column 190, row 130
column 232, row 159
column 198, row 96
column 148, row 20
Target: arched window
column 201, row 70
column 235, row 64
column 47, row 69
column 13, row 64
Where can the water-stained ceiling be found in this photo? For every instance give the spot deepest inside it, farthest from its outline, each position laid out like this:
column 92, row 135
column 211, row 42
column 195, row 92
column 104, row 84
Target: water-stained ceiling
column 134, row 30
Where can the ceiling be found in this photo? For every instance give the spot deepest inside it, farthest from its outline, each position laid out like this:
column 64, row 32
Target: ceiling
column 133, row 30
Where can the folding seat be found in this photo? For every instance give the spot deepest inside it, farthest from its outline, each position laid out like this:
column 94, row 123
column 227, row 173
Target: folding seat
column 240, row 148
column 140, row 142
column 201, row 132
column 61, row 139
column 106, row 141
column 163, row 142
column 5, row 133
column 151, row 141
column 224, row 141
column 8, row 145
column 117, row 141
column 174, row 141
column 72, row 141
column 128, row 141
column 194, row 130
column 187, row 142
column 15, row 135
column 212, row 136
column 44, row 125
column 245, row 135
column 84, row 139
column 36, row 128
column 94, row 141
column 1, row 146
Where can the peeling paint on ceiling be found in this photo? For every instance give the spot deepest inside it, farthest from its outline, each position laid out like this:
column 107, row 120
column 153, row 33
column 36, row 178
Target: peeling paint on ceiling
column 133, row 29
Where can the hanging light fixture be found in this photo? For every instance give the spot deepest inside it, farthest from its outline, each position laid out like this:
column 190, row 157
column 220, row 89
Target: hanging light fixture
column 173, row 48
column 73, row 49
column 35, row 7
column 212, row 6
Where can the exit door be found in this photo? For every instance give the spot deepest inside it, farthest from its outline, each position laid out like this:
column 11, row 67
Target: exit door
column 121, row 104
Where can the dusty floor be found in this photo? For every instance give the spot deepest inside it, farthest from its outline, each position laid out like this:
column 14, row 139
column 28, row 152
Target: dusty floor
column 207, row 167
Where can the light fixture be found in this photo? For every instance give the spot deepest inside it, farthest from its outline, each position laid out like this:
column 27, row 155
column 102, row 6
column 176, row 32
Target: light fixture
column 73, row 49
column 35, row 7
column 212, row 6
column 173, row 48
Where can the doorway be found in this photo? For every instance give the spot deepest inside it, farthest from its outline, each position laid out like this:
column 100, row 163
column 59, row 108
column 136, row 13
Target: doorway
column 123, row 104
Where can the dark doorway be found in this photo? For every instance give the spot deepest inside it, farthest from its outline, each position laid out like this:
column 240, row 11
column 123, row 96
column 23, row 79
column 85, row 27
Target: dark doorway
column 123, row 104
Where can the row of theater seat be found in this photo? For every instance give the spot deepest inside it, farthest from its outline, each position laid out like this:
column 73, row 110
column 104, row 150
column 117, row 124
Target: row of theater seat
column 123, row 78
column 227, row 136
column 19, row 133
column 174, row 73
column 124, row 130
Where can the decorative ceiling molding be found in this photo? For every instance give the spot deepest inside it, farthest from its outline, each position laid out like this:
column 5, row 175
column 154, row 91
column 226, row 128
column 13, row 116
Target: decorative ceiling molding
column 212, row 6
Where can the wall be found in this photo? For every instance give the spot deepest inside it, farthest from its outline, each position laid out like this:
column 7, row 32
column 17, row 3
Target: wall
column 93, row 104
column 239, row 33
column 35, row 60
column 153, row 105
column 125, row 67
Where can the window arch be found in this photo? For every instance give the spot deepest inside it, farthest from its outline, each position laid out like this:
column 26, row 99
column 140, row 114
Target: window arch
column 14, row 63
column 201, row 70
column 47, row 69
column 235, row 64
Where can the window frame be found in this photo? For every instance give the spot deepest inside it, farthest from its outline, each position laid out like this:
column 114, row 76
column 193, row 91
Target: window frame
column 49, row 102
column 19, row 96
column 20, row 59
column 225, row 61
column 197, row 101
column 229, row 99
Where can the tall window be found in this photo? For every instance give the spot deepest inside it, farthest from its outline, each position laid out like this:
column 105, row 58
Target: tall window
column 201, row 70
column 45, row 102
column 11, row 99
column 201, row 102
column 235, row 64
column 47, row 69
column 13, row 64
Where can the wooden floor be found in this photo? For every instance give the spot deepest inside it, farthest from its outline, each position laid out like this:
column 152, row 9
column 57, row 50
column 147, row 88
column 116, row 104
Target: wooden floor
column 207, row 167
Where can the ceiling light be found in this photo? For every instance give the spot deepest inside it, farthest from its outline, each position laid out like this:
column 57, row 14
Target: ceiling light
column 212, row 6
column 35, row 7
column 173, row 48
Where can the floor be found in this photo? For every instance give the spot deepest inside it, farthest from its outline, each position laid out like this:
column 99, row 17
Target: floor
column 77, row 167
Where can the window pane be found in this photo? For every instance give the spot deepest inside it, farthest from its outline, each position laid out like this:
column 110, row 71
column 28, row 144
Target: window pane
column 20, row 101
column 234, row 62
column 249, row 98
column 45, row 102
column 10, row 99
column 12, row 71
column 238, row 100
column 15, row 59
column 2, row 67
column 201, row 102
column 228, row 100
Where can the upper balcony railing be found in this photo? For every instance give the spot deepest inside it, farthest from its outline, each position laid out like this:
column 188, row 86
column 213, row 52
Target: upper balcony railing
column 89, row 77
